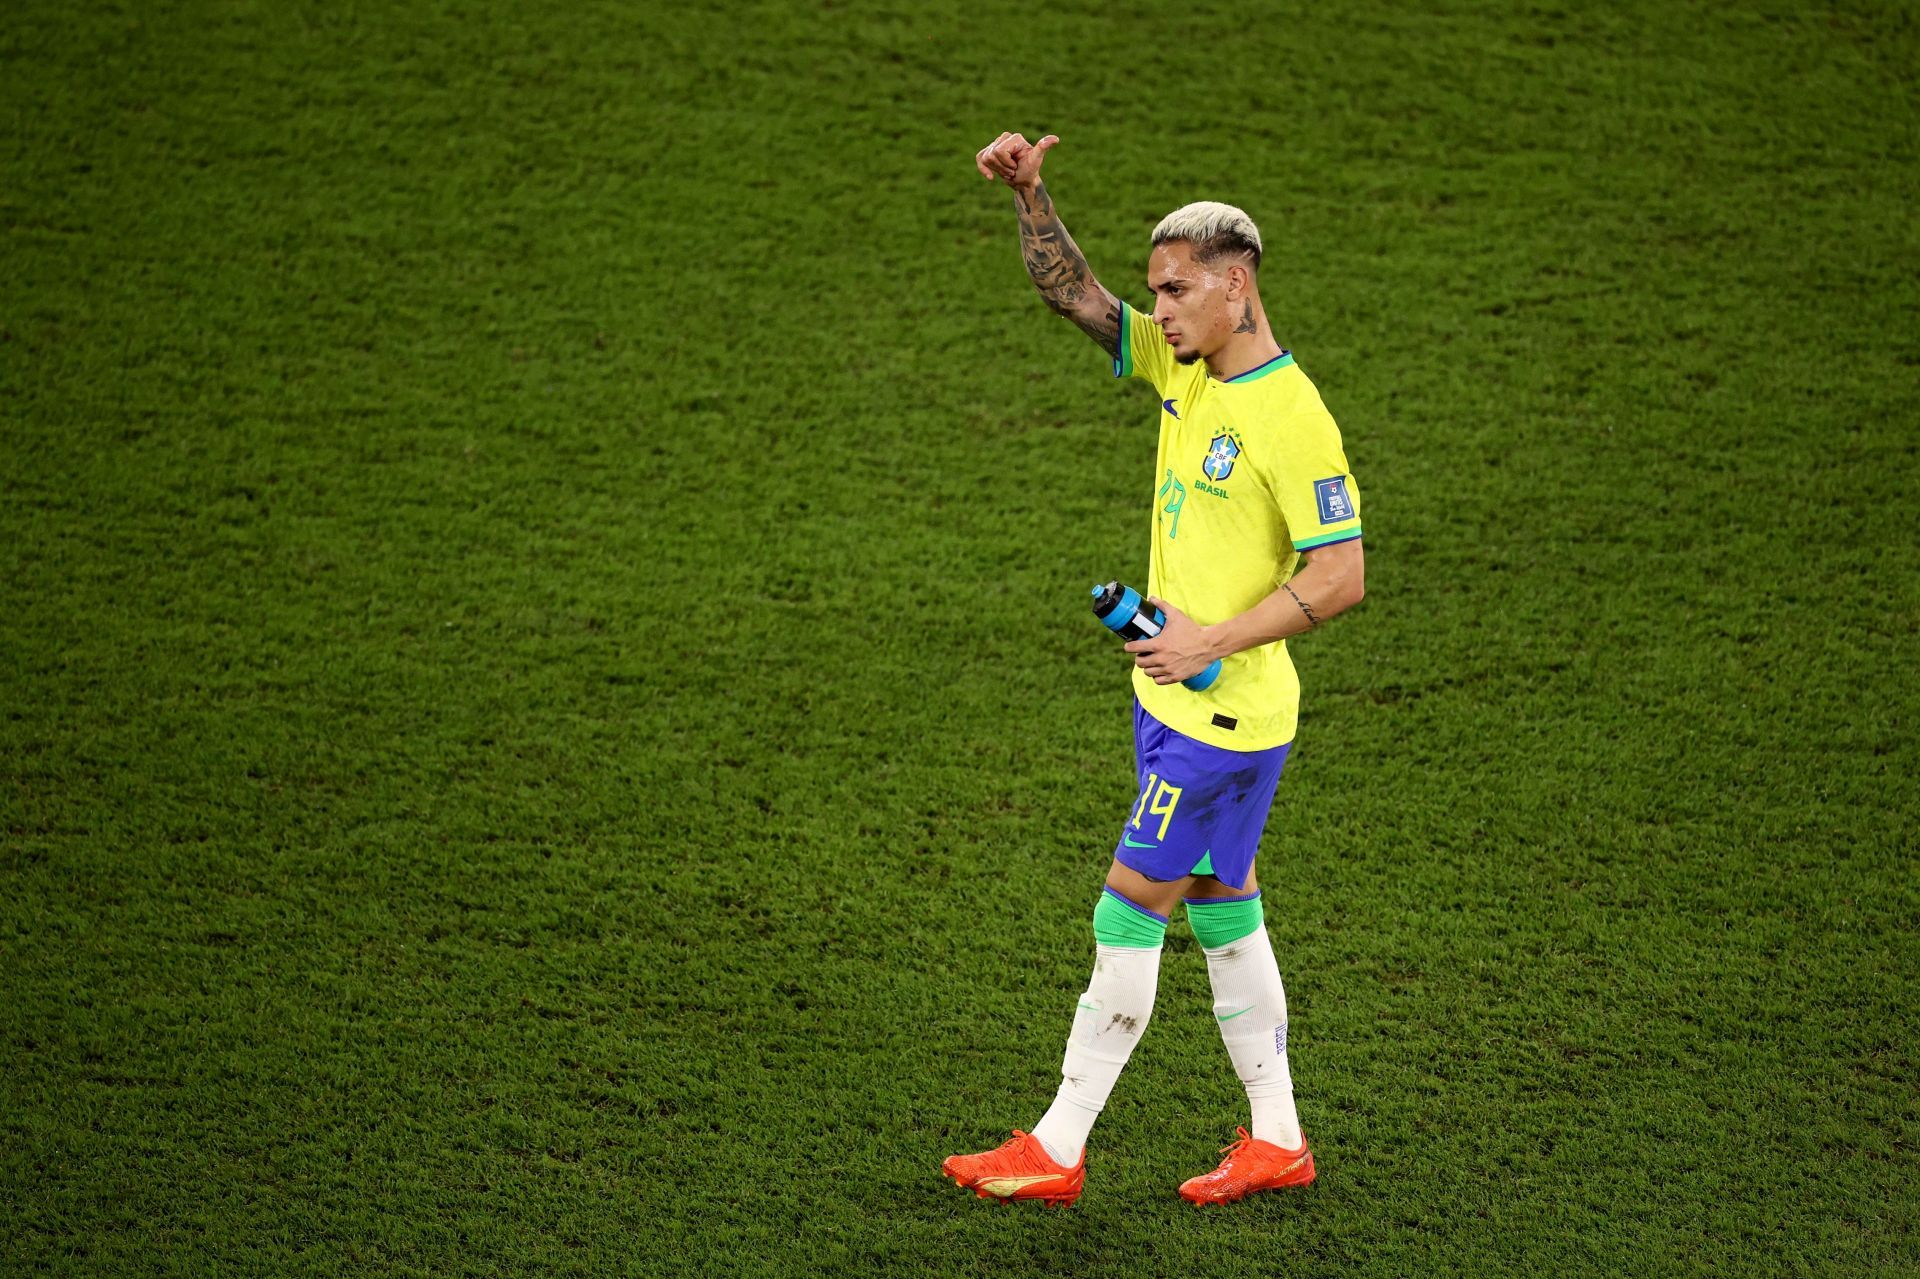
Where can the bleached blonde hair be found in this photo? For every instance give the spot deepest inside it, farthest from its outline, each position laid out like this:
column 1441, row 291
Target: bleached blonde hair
column 1212, row 228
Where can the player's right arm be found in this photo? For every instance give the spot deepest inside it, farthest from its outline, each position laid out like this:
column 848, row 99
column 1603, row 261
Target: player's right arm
column 1058, row 268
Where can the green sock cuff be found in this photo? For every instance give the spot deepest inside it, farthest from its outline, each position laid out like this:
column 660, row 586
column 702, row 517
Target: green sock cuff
column 1119, row 922
column 1217, row 923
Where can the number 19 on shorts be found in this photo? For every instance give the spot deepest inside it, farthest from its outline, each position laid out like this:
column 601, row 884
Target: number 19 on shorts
column 1157, row 799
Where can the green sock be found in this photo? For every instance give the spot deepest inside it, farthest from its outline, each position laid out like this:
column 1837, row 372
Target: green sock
column 1120, row 922
column 1216, row 923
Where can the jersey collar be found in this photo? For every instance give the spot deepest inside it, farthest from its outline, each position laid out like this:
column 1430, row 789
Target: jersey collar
column 1259, row 371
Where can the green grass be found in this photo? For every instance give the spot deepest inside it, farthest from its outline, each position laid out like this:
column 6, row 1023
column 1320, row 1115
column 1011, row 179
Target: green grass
column 491, row 783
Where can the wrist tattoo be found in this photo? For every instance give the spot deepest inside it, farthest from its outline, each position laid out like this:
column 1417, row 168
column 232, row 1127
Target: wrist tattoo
column 1312, row 619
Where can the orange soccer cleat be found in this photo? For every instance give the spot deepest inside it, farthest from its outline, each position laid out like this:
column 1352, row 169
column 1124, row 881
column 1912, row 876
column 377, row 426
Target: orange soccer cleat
column 1249, row 1166
column 1018, row 1169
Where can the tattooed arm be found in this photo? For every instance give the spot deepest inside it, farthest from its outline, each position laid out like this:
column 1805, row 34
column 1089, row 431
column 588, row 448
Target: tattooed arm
column 1058, row 268
column 1331, row 580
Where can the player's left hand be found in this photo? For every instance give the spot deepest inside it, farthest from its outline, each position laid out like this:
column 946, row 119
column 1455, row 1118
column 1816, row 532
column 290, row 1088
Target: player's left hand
column 1179, row 652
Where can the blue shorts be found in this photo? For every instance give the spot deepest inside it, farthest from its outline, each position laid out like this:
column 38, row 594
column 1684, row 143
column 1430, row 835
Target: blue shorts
column 1201, row 808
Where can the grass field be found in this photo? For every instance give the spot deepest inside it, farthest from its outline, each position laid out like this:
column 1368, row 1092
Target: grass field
column 493, row 783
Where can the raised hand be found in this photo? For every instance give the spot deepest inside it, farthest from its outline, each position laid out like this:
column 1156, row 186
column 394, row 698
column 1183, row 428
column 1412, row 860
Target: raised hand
column 1014, row 160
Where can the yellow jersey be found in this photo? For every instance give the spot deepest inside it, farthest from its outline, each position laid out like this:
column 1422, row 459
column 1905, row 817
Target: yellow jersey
column 1250, row 473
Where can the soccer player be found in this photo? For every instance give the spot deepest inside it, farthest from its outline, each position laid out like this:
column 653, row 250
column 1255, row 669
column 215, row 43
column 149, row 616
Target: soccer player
column 1256, row 537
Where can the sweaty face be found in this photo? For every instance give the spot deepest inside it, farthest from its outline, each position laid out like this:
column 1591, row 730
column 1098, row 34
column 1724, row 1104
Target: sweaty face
column 1189, row 300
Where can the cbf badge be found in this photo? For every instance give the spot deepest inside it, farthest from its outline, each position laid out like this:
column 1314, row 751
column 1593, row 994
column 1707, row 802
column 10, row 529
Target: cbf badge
column 1220, row 457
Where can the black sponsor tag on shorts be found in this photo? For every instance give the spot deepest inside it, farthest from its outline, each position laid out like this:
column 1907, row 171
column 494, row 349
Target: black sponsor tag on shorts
column 1227, row 722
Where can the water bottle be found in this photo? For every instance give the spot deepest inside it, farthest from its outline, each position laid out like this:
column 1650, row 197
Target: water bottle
column 1122, row 611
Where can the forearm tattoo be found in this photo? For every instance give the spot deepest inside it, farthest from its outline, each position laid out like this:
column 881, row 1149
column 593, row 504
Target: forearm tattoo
column 1312, row 618
column 1059, row 270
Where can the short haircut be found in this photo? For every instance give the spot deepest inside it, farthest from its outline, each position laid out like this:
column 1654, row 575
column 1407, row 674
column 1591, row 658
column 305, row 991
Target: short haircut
column 1213, row 229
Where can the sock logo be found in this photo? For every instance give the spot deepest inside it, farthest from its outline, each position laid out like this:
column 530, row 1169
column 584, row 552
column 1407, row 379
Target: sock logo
column 1280, row 1038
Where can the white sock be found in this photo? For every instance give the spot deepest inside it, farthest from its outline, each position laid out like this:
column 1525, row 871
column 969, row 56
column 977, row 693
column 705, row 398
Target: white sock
column 1251, row 1006
column 1109, row 1021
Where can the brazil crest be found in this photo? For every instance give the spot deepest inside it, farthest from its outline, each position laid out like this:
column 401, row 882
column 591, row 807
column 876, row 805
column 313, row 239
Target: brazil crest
column 1221, row 454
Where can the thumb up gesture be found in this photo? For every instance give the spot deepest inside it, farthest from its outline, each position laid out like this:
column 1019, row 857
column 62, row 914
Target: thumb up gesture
column 1013, row 159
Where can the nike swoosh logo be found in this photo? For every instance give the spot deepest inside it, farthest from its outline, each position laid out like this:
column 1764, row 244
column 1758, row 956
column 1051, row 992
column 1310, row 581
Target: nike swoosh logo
column 1168, row 406
column 1131, row 842
column 1231, row 1016
column 1004, row 1186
